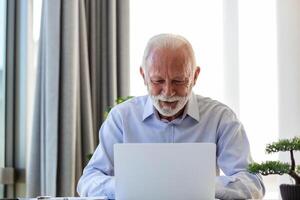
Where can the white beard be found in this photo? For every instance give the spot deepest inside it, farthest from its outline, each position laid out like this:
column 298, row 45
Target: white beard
column 166, row 110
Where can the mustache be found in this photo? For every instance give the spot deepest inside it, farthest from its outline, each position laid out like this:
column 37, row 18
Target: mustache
column 168, row 99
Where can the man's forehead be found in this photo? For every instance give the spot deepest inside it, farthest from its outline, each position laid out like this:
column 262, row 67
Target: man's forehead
column 168, row 56
column 169, row 52
column 172, row 72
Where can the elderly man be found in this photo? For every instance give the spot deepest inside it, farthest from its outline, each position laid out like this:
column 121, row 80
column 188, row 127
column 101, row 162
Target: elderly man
column 173, row 113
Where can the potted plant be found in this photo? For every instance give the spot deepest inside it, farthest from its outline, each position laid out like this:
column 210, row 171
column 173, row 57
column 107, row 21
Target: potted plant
column 288, row 191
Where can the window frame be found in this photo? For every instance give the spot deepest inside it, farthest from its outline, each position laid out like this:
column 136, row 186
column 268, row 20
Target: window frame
column 3, row 10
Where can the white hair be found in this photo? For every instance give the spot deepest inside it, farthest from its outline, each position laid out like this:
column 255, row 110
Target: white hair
column 169, row 41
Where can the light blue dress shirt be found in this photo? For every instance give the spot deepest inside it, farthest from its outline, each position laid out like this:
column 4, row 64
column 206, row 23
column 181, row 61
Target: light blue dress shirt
column 203, row 120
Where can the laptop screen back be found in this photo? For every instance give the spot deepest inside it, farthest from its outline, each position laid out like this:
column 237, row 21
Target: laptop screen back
column 165, row 171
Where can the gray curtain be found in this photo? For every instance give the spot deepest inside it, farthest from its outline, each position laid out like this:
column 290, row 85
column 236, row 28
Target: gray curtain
column 16, row 61
column 83, row 66
column 11, row 67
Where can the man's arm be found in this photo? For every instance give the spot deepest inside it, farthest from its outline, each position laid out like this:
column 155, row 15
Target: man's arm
column 98, row 176
column 239, row 186
column 233, row 157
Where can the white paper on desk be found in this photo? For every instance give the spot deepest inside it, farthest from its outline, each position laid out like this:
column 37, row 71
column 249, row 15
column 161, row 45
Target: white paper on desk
column 80, row 198
column 67, row 198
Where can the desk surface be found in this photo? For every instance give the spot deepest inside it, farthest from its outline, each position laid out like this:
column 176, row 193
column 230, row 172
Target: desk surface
column 58, row 198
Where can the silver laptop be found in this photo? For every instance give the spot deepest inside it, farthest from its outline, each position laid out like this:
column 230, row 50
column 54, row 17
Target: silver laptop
column 170, row 171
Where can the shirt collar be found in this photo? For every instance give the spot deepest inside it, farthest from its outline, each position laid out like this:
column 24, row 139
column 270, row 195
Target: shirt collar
column 191, row 108
column 148, row 109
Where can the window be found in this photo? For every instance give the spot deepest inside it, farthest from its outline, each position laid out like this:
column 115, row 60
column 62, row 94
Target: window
column 203, row 23
column 259, row 80
column 13, row 153
column 148, row 18
column 2, row 85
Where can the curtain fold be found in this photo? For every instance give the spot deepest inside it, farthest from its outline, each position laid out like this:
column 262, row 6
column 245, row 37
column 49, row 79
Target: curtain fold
column 79, row 68
column 10, row 84
column 17, row 59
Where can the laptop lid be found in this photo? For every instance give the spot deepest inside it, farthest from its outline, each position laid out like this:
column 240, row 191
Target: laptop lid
column 165, row 171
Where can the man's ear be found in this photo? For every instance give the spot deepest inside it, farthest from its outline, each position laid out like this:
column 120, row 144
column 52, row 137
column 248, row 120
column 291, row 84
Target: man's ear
column 143, row 74
column 196, row 74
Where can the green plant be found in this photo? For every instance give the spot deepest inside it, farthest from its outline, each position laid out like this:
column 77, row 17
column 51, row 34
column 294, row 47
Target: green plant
column 277, row 167
column 117, row 101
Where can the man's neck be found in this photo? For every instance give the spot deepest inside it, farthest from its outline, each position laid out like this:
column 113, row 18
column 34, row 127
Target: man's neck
column 171, row 118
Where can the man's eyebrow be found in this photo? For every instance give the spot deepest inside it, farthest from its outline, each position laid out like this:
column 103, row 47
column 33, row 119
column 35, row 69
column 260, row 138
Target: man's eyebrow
column 180, row 77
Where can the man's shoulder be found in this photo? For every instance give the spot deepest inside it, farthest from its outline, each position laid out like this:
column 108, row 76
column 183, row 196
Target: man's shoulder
column 208, row 101
column 134, row 101
column 209, row 104
column 135, row 104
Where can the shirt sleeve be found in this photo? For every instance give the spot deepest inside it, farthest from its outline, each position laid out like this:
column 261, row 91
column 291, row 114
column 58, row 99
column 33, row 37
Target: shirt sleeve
column 98, row 176
column 233, row 157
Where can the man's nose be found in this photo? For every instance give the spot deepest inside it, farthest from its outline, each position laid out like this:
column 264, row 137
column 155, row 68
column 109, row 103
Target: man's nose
column 168, row 89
